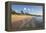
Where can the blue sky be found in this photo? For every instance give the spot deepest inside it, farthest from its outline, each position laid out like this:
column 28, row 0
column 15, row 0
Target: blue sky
column 28, row 8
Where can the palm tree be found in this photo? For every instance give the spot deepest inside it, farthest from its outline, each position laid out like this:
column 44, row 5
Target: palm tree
column 22, row 12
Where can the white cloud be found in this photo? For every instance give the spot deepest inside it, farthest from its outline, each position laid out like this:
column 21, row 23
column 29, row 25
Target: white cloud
column 28, row 9
column 24, row 8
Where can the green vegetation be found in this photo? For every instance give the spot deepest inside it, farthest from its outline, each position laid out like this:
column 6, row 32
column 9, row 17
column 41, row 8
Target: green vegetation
column 22, row 13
